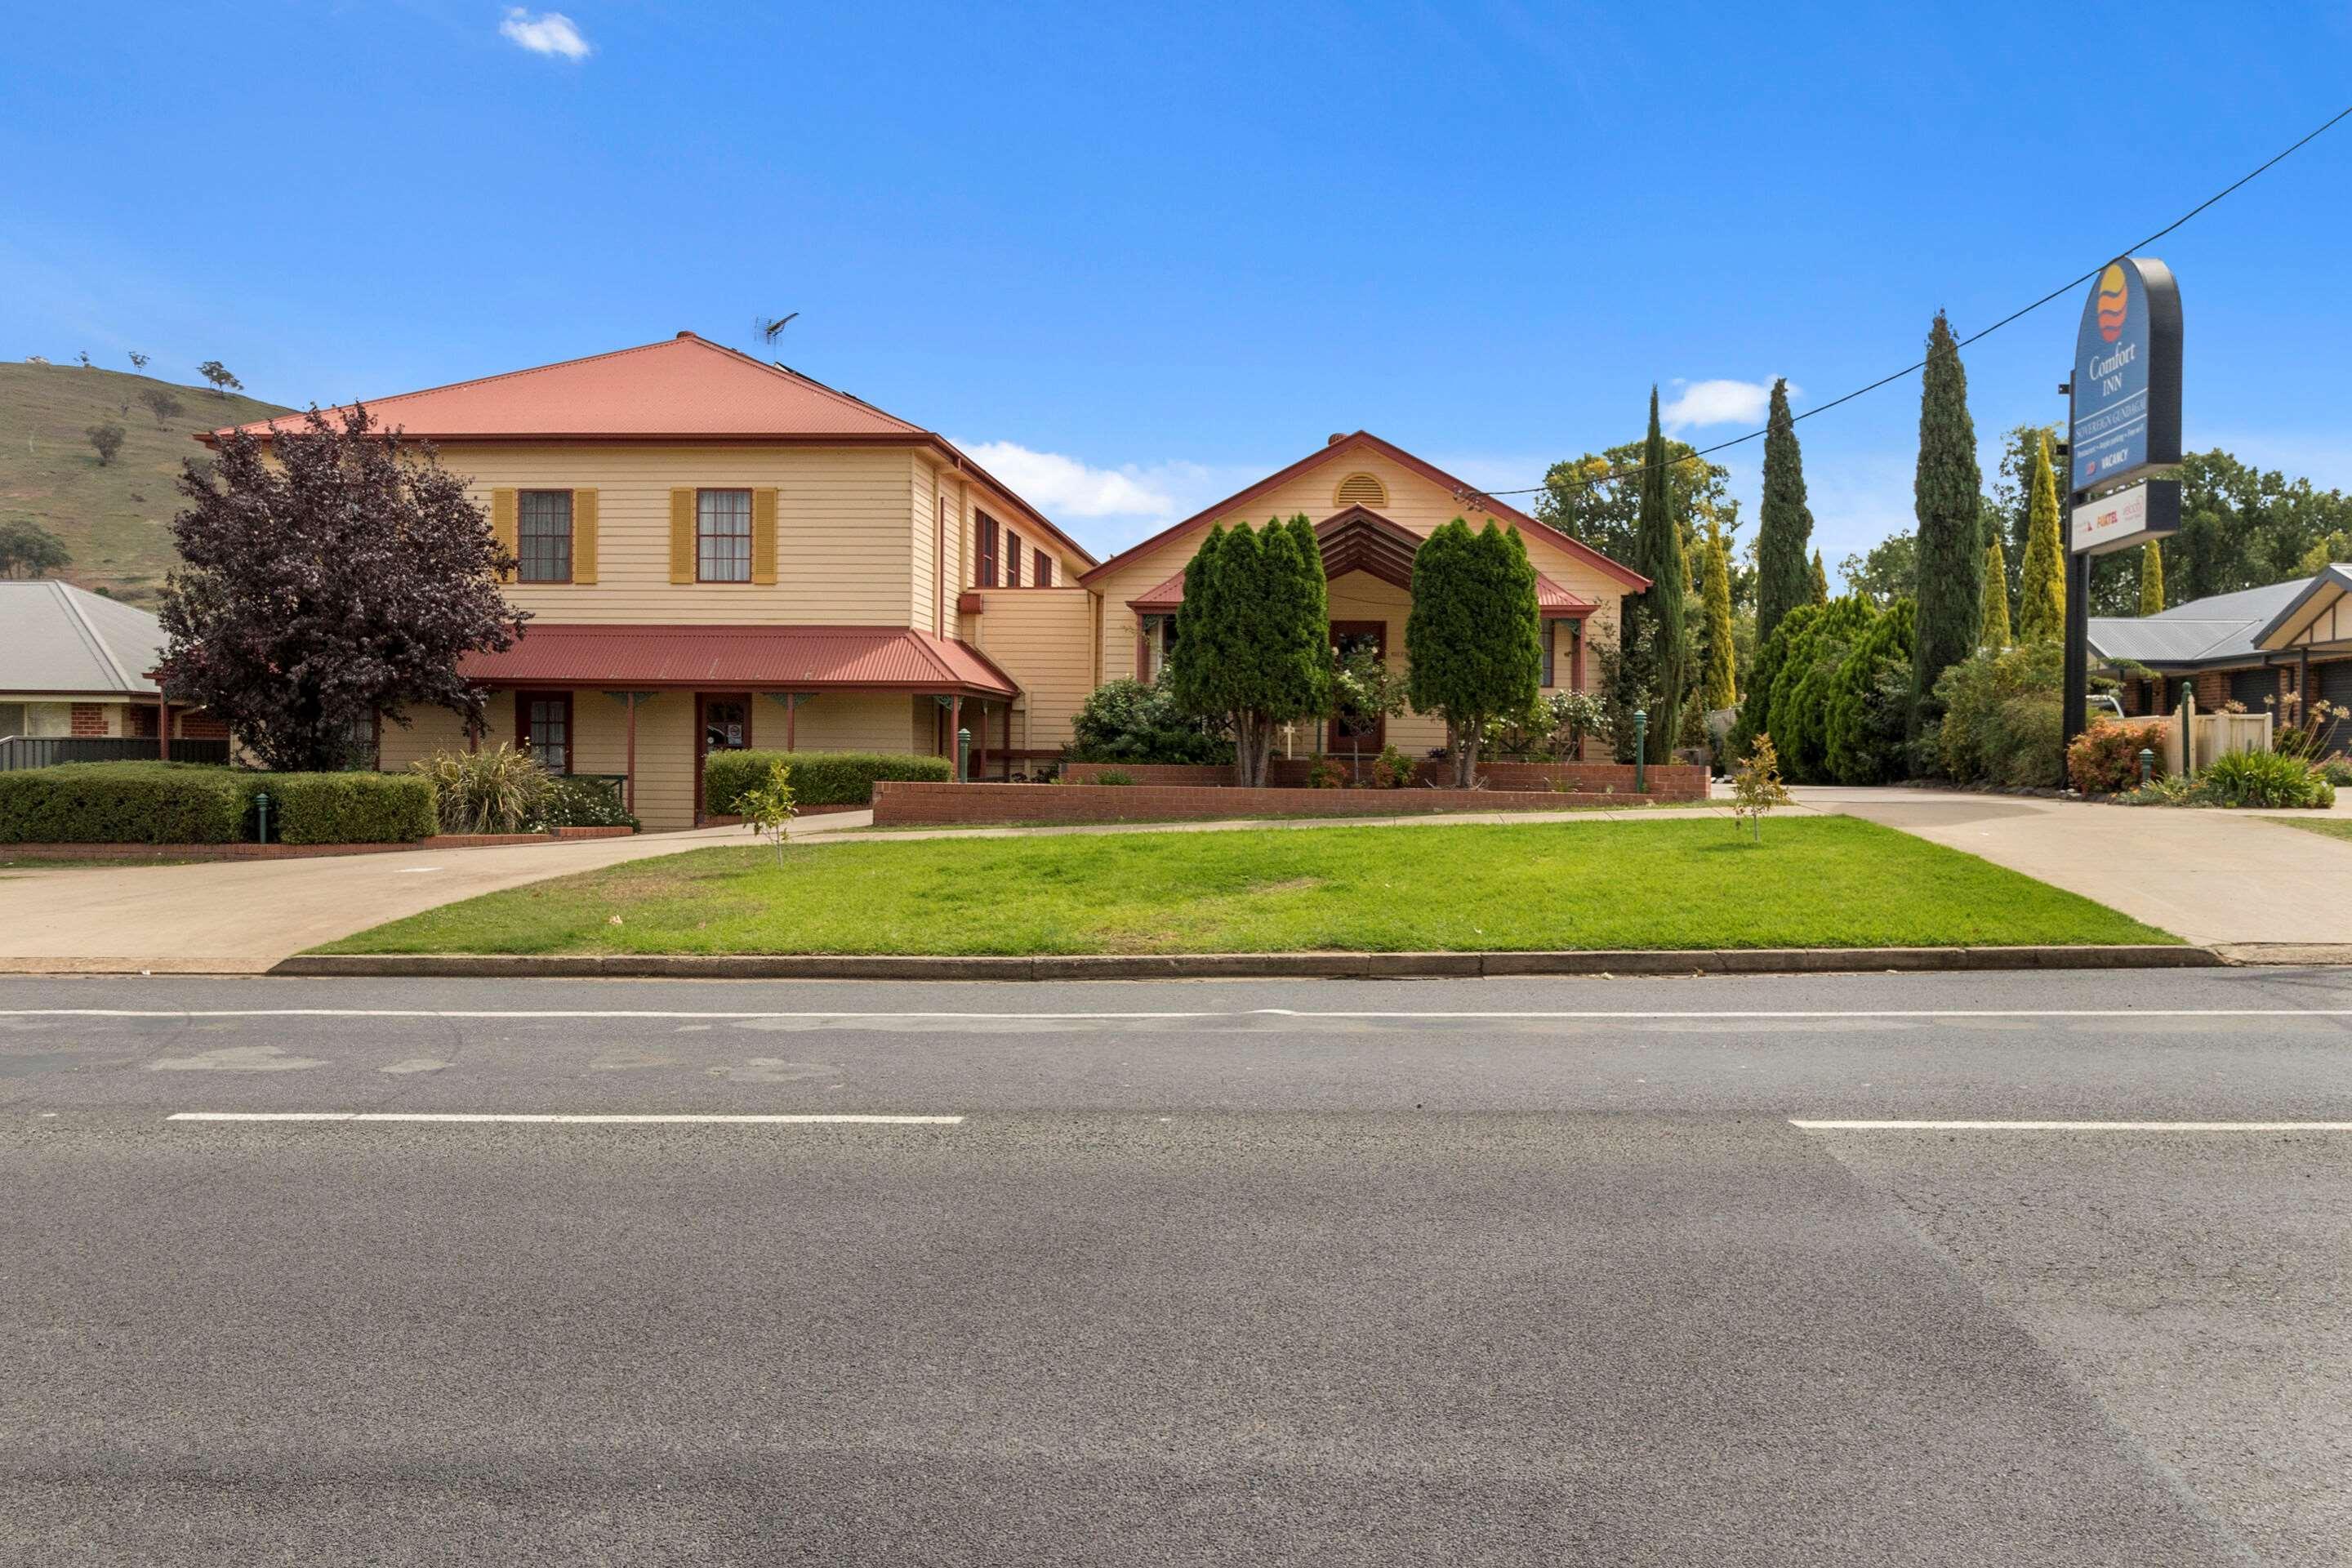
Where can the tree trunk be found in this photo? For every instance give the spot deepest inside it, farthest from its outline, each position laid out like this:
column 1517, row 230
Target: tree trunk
column 1241, row 750
column 1466, row 758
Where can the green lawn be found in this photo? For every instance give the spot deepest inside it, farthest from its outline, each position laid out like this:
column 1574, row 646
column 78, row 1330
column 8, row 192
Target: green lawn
column 2325, row 827
column 1827, row 881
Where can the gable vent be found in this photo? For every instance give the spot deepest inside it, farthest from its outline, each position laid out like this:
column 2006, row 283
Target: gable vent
column 1361, row 489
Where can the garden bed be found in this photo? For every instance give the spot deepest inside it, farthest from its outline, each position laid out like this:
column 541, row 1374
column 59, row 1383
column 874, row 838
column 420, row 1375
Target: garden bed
column 1666, row 781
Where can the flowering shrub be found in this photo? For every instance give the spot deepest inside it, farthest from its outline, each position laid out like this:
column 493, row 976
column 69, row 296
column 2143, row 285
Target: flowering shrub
column 2105, row 759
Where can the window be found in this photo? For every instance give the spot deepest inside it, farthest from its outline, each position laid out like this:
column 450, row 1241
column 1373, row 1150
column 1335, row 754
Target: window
column 722, row 536
column 546, row 729
column 986, row 577
column 1012, row 558
column 544, row 535
column 1043, row 574
column 1561, row 646
column 1552, row 652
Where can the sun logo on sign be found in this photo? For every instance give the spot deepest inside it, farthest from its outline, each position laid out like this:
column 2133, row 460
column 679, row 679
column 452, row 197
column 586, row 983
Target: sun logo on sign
column 2112, row 296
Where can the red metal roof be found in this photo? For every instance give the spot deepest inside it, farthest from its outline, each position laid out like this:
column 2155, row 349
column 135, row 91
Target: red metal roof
column 684, row 388
column 713, row 659
column 1551, row 599
column 1364, row 440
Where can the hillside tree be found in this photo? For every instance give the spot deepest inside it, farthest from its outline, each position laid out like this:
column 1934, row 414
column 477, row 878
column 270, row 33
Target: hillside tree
column 1784, row 524
column 1951, row 546
column 333, row 573
column 137, row 360
column 106, row 439
column 28, row 550
column 1474, row 636
column 2042, row 576
column 163, row 405
column 222, row 380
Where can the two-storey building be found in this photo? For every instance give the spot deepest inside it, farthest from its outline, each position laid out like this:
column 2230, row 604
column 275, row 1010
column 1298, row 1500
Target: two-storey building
column 720, row 552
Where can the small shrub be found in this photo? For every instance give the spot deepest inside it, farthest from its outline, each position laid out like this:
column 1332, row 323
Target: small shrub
column 582, row 802
column 1324, row 773
column 1114, row 776
column 126, row 803
column 496, row 790
column 2336, row 772
column 768, row 808
column 1133, row 721
column 2263, row 779
column 1756, row 787
column 348, row 808
column 2104, row 758
column 819, row 778
column 1393, row 769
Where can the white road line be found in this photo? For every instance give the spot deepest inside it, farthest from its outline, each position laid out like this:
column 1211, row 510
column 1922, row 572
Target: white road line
column 2072, row 1126
column 568, row 1120
column 1473, row 1016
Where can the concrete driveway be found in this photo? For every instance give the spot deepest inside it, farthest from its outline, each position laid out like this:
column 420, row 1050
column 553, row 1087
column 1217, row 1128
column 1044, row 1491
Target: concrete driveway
column 242, row 916
column 2232, row 880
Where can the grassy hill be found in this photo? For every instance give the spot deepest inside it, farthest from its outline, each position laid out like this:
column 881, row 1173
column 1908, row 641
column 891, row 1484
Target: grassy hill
column 113, row 518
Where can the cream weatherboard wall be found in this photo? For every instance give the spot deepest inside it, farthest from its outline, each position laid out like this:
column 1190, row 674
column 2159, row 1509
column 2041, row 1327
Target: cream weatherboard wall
column 1041, row 638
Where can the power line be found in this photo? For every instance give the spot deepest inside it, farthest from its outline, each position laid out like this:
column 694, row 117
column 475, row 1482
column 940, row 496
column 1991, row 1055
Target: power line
column 2065, row 288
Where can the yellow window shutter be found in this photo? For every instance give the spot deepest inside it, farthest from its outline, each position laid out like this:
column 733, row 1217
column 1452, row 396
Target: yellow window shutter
column 584, row 536
column 763, row 536
column 502, row 524
column 681, row 536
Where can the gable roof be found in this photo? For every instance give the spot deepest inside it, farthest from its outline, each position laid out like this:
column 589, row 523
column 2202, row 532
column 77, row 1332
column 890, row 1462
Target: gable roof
column 685, row 388
column 1364, row 440
column 811, row 658
column 2216, row 629
column 55, row 638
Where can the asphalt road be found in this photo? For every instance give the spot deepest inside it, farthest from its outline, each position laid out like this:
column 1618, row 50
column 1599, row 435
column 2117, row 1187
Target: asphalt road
column 1475, row 1272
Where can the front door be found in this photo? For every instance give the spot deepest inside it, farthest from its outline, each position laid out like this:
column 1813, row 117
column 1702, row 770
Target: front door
column 722, row 722
column 1353, row 733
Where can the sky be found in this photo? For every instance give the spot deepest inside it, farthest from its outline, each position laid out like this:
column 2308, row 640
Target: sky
column 1135, row 258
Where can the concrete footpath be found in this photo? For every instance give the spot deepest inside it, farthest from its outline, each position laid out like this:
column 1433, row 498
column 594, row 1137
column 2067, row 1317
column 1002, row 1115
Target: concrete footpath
column 2243, row 882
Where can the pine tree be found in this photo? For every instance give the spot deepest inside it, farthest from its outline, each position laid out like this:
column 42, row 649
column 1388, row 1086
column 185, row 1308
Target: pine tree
column 1658, row 555
column 1722, row 690
column 1945, row 495
column 2042, row 577
column 1992, row 624
column 1785, row 525
column 1821, row 590
column 2151, row 578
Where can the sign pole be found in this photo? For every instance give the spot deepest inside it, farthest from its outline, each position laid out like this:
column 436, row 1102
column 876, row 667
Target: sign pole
column 2076, row 713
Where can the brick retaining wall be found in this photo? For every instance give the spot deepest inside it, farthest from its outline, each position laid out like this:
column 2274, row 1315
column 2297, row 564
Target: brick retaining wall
column 906, row 803
column 1671, row 781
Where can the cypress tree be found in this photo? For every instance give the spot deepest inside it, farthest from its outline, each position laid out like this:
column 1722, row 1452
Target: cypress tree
column 1868, row 701
column 1945, row 495
column 2151, row 578
column 2042, row 577
column 1992, row 621
column 1802, row 691
column 1757, row 714
column 1785, row 525
column 1658, row 555
column 1820, row 581
column 1722, row 690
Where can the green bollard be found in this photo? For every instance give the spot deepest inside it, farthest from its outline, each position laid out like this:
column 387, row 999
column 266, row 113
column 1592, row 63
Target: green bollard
column 963, row 756
column 261, row 805
column 2146, row 766
column 1641, row 750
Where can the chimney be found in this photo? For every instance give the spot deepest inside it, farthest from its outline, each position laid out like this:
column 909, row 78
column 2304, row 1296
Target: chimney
column 1333, row 438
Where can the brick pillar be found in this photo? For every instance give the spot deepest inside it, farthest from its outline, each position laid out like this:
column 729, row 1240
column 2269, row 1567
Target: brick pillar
column 88, row 718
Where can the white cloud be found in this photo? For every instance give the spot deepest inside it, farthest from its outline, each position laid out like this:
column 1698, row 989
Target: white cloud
column 1107, row 508
column 549, row 32
column 1698, row 403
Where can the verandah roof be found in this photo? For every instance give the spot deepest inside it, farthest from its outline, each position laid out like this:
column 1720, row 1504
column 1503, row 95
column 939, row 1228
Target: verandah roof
column 728, row 658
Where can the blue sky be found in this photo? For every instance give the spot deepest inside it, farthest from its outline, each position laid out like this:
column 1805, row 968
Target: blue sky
column 1140, row 255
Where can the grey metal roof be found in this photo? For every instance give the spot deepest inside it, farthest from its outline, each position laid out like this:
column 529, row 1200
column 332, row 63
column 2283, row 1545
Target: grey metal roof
column 2220, row 629
column 55, row 638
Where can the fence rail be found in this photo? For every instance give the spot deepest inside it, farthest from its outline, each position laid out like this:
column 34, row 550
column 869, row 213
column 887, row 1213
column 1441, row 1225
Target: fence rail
column 44, row 751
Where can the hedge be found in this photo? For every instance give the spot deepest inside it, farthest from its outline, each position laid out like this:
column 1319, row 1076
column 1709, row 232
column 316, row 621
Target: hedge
column 195, row 803
column 348, row 808
column 125, row 803
column 819, row 778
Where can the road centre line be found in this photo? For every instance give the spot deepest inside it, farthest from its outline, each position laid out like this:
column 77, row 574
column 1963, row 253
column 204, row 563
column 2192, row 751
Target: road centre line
column 598, row 1120
column 1810, row 1126
column 1538, row 1015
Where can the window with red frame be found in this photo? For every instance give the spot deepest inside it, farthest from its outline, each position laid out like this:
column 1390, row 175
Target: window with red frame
column 546, row 725
column 1012, row 558
column 986, row 575
column 1041, row 574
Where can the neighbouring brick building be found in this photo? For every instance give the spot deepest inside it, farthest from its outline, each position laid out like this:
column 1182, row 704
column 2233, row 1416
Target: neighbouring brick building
column 2273, row 646
column 73, row 665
